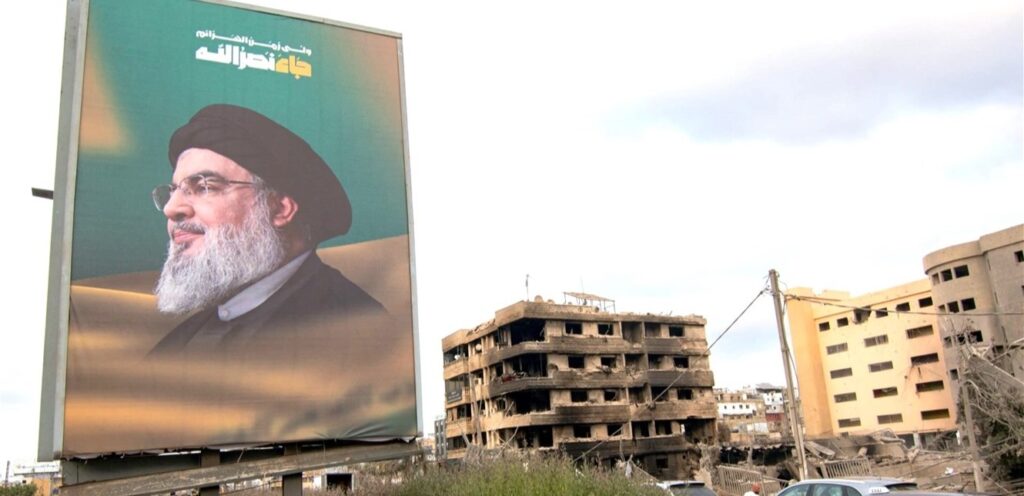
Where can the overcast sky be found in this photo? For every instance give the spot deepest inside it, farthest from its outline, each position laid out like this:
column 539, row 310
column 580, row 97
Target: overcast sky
column 665, row 155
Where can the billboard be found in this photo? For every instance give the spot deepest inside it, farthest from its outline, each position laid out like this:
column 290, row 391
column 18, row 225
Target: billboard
column 232, row 259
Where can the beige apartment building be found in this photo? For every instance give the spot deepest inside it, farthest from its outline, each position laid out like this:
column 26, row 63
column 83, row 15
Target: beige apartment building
column 582, row 380
column 978, row 289
column 870, row 362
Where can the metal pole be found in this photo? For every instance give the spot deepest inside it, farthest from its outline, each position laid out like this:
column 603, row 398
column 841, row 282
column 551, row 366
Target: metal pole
column 791, row 411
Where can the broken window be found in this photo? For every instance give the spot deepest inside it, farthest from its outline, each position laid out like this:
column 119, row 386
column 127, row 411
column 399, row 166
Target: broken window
column 892, row 418
column 924, row 302
column 615, row 429
column 524, row 402
column 574, row 328
column 581, row 431
column 578, row 395
column 681, row 362
column 454, row 354
column 961, row 271
column 903, row 307
column 654, row 362
column 633, row 362
column 529, row 330
column 611, row 395
column 675, row 331
column 528, row 365
column 576, row 361
column 652, row 330
column 876, row 340
column 880, row 366
column 684, row 394
column 968, row 304
column 917, row 332
column 608, row 361
column 824, row 326
column 953, row 306
column 632, row 332
column 659, row 393
column 935, row 414
column 641, row 429
column 604, row 329
column 930, row 386
column 883, row 392
column 663, row 427
column 841, row 373
column 637, row 395
column 923, row 359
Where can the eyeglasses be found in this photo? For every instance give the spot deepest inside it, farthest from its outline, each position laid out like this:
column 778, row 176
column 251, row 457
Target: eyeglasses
column 198, row 185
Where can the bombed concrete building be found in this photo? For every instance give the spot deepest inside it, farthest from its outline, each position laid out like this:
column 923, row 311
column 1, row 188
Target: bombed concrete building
column 583, row 380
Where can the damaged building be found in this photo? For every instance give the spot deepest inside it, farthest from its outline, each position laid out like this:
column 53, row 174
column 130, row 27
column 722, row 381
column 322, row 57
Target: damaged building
column 584, row 380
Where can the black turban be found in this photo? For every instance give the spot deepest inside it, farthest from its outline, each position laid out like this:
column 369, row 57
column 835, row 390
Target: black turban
column 280, row 157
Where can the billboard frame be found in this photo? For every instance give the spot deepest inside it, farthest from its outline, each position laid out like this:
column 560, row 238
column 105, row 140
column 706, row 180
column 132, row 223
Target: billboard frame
column 55, row 355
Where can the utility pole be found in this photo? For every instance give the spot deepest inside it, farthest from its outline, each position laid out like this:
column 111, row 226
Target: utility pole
column 979, row 481
column 791, row 411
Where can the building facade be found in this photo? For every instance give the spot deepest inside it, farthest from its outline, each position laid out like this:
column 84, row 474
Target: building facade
column 574, row 378
column 870, row 362
column 741, row 415
column 978, row 289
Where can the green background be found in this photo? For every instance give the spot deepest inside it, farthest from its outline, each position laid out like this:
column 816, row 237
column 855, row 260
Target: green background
column 349, row 111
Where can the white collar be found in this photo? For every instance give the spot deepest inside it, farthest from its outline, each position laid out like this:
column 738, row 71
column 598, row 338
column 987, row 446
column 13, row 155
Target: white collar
column 259, row 291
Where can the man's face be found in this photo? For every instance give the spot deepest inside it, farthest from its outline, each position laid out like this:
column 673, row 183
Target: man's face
column 189, row 217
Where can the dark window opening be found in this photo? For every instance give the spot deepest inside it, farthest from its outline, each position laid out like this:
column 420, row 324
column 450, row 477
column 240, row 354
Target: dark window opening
column 881, row 312
column 880, row 366
column 935, row 279
column 652, row 330
column 575, row 361
column 843, row 322
column 841, row 373
column 663, row 427
column 968, row 304
column 942, row 308
column 970, row 337
column 574, row 328
column 632, row 332
column 843, row 398
column 849, row 422
column 660, row 393
column 615, row 429
column 526, row 330
column 605, row 329
column 637, row 395
column 653, row 361
column 524, row 402
column 935, row 414
column 836, row 348
column 903, row 307
column 883, row 392
column 529, row 365
column 608, row 361
column 917, row 332
column 876, row 340
column 961, row 271
column 923, row 359
column 581, row 431
column 681, row 362
column 954, row 374
column 675, row 331
column 457, row 353
column 954, row 307
column 641, row 429
column 824, row 326
column 578, row 396
column 684, row 394
column 1019, row 255
column 611, row 395
column 924, row 302
column 893, row 418
column 947, row 275
column 930, row 386
column 661, row 463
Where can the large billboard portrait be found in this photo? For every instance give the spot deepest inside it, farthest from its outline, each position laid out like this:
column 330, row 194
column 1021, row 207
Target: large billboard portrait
column 240, row 254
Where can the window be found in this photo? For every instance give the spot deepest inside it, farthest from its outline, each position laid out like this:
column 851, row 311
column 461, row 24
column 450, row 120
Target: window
column 954, row 374
column 892, row 418
column 675, row 331
column 578, row 395
column 968, row 304
column 684, row 394
column 935, row 414
column 883, row 392
column 930, row 386
column 881, row 312
column 880, row 366
column 917, row 332
column 574, row 328
column 575, row 361
column 843, row 398
column 923, row 359
column 942, row 308
column 935, row 279
column 608, row 361
column 843, row 322
column 605, row 330
column 581, row 431
column 661, row 463
column 824, row 326
column 681, row 362
column 947, row 275
column 924, row 302
column 954, row 307
column 849, row 422
column 903, row 307
column 841, row 373
column 876, row 340
column 836, row 348
column 611, row 395
column 961, row 271
column 1019, row 255
column 615, row 430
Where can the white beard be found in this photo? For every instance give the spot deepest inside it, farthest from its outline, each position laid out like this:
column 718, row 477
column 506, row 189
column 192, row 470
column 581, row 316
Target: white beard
column 231, row 257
